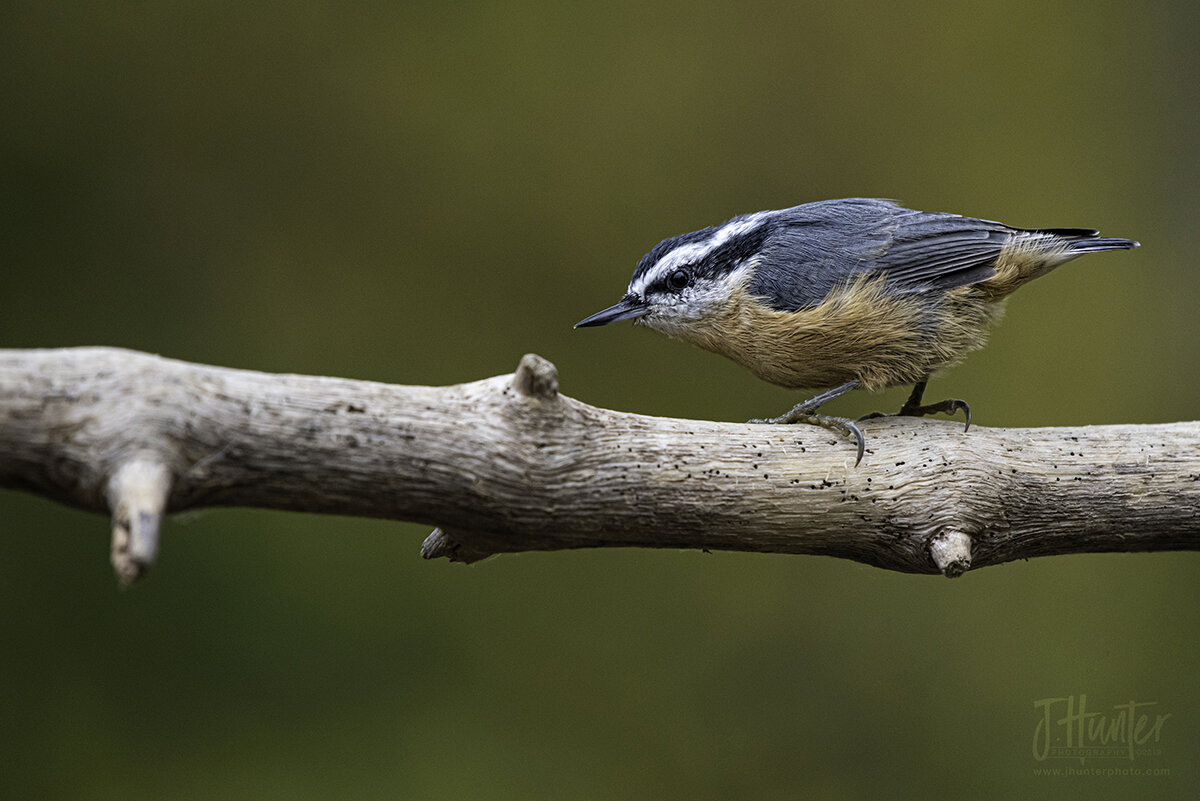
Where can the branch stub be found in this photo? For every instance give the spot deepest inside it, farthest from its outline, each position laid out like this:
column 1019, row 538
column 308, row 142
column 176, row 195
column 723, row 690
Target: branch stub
column 536, row 378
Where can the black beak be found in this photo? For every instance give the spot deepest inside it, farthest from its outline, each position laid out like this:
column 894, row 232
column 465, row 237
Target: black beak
column 629, row 308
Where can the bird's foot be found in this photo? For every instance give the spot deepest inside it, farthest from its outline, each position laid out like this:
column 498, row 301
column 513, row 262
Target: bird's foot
column 840, row 424
column 949, row 406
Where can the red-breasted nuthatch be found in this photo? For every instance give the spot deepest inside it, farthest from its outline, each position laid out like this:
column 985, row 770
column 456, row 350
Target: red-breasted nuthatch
column 847, row 294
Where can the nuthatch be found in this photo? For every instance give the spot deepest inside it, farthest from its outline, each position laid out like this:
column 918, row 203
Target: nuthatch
column 847, row 294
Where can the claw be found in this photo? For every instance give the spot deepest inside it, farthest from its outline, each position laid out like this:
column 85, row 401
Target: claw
column 851, row 428
column 960, row 404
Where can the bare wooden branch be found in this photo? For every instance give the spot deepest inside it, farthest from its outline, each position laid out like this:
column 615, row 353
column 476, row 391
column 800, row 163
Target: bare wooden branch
column 509, row 464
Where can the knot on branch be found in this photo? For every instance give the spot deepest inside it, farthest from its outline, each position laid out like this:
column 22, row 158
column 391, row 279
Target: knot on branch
column 951, row 552
column 536, row 378
column 137, row 496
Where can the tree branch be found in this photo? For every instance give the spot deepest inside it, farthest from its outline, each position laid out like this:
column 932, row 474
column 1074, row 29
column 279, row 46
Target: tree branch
column 508, row 464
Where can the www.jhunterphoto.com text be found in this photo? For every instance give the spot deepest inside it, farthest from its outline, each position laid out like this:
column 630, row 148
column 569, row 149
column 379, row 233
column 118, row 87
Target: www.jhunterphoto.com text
column 1071, row 770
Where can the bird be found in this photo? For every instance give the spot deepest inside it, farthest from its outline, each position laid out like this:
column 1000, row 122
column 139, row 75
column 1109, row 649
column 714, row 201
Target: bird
column 838, row 295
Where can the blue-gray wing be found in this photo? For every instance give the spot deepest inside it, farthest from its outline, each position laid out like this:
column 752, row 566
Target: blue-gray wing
column 819, row 246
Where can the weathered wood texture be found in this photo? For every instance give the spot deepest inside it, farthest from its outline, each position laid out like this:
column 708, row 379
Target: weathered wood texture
column 509, row 464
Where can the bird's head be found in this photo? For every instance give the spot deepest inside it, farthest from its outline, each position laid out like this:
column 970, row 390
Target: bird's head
column 691, row 278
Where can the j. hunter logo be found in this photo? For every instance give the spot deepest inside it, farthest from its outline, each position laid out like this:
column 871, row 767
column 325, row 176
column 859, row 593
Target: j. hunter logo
column 1067, row 729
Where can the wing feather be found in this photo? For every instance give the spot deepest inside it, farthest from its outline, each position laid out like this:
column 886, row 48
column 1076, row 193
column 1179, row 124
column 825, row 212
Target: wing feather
column 817, row 247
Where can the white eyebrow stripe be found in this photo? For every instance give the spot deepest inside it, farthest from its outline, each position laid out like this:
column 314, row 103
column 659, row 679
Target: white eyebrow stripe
column 695, row 251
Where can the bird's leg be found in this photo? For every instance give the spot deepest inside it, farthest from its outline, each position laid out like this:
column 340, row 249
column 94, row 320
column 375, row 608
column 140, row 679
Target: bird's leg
column 913, row 408
column 805, row 413
column 809, row 406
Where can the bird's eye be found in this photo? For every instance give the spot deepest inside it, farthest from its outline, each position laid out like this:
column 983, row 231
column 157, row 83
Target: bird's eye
column 679, row 279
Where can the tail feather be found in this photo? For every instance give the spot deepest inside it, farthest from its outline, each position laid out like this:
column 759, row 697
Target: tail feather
column 1083, row 240
column 1096, row 244
column 1067, row 233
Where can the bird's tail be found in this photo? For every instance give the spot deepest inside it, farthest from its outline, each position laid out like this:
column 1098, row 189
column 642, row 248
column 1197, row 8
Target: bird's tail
column 1040, row 250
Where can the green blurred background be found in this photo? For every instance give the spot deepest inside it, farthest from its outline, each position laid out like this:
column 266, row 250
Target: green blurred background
column 420, row 193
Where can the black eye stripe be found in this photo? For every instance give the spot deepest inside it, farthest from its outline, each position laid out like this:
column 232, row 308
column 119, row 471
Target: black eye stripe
column 706, row 262
column 675, row 281
column 667, row 245
column 725, row 258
